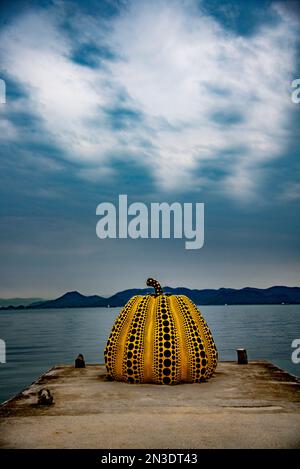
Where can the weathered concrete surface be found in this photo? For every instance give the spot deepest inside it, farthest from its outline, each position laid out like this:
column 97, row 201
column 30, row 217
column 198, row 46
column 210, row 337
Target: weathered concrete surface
column 243, row 406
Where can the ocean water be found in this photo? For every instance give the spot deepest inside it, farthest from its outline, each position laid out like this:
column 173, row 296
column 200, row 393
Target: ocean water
column 38, row 339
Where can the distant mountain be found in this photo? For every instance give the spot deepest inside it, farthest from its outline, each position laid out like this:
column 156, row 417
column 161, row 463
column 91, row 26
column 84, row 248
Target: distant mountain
column 230, row 296
column 72, row 299
column 19, row 301
column 222, row 296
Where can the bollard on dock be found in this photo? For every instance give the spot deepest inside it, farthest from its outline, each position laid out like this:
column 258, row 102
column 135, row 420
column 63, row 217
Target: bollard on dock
column 79, row 362
column 242, row 358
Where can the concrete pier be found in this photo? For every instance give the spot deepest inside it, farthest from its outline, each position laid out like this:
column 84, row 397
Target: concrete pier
column 249, row 406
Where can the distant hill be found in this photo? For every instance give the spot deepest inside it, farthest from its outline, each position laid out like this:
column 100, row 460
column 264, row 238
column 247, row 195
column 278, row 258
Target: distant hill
column 72, row 299
column 19, row 301
column 222, row 296
column 230, row 296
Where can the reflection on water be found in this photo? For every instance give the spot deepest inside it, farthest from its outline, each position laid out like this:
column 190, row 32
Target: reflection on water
column 39, row 339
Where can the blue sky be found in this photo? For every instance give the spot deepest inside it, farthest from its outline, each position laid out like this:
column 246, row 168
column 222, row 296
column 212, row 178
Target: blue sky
column 186, row 101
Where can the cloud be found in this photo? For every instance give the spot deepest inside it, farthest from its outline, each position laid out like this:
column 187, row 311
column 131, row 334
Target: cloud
column 162, row 84
column 292, row 192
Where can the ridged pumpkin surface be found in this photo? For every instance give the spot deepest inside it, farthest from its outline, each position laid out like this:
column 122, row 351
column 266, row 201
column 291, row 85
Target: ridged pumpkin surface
column 160, row 339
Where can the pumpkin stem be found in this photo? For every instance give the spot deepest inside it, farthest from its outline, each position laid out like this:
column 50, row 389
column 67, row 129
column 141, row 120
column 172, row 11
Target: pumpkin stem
column 151, row 282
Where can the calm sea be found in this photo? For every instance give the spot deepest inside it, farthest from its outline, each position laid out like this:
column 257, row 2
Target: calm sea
column 38, row 339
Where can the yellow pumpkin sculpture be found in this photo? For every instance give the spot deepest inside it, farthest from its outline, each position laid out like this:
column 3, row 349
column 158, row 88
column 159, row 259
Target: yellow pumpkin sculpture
column 160, row 338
